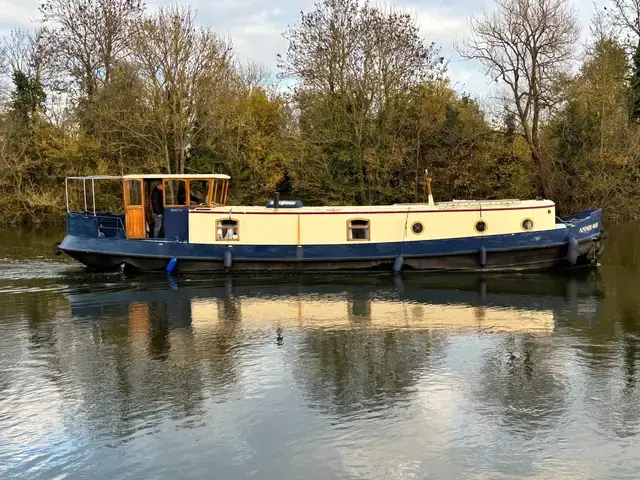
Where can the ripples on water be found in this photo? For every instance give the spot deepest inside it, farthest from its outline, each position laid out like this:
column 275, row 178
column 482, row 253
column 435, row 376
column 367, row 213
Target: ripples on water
column 104, row 376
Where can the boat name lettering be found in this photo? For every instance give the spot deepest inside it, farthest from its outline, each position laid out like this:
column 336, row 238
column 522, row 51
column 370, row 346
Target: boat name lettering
column 588, row 228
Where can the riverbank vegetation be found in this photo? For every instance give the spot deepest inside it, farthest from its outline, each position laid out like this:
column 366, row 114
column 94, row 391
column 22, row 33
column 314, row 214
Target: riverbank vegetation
column 361, row 105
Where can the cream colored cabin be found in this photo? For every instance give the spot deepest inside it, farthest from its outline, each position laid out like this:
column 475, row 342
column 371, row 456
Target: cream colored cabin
column 393, row 223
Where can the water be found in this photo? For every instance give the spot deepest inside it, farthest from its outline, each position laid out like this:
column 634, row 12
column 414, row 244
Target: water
column 111, row 377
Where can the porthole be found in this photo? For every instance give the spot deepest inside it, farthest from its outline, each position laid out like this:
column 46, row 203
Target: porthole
column 417, row 228
column 527, row 224
column 481, row 226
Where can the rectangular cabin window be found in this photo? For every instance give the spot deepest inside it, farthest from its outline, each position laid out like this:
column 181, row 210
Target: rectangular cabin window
column 134, row 192
column 227, row 230
column 175, row 193
column 358, row 230
column 199, row 192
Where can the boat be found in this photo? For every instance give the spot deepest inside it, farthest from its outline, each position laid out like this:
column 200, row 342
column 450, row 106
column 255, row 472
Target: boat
column 202, row 233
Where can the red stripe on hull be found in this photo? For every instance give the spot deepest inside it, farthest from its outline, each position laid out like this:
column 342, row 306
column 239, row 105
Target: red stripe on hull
column 365, row 212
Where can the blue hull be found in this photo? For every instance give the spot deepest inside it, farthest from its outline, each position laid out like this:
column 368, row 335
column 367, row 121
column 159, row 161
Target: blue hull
column 576, row 245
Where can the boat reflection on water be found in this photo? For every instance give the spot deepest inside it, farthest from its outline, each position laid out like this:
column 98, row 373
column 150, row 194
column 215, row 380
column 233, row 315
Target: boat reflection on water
column 349, row 342
column 492, row 304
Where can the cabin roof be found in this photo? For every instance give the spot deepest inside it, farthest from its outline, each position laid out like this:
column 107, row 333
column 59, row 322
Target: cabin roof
column 96, row 177
column 219, row 176
column 153, row 176
column 458, row 205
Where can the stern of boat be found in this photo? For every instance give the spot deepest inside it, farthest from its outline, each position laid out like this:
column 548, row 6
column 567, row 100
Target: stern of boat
column 85, row 228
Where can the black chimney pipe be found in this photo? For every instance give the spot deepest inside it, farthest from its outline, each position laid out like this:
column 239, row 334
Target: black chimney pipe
column 276, row 200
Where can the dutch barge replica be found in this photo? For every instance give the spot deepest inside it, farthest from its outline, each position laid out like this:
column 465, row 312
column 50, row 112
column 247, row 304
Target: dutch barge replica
column 201, row 233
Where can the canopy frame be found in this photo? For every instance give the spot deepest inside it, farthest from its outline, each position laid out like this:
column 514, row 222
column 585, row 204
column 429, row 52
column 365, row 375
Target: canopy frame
column 122, row 178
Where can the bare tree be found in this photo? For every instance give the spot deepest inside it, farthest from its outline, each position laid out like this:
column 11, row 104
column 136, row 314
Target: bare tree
column 624, row 17
column 526, row 45
column 88, row 37
column 22, row 53
column 180, row 66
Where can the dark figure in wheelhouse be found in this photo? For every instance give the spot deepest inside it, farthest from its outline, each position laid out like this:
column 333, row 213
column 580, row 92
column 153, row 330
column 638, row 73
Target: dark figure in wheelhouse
column 157, row 206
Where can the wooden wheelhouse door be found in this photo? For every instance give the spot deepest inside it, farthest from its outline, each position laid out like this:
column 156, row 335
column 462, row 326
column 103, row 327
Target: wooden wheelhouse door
column 134, row 209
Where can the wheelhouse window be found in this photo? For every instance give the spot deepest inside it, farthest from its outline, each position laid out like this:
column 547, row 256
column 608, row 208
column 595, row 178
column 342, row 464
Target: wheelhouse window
column 358, row 230
column 227, row 230
column 175, row 193
column 133, row 189
column 199, row 192
column 220, row 190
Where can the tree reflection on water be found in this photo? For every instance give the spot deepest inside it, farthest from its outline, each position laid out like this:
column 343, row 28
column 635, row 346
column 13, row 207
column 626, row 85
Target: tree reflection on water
column 342, row 372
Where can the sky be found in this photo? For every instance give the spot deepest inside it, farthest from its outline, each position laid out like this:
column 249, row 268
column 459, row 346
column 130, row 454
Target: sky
column 255, row 27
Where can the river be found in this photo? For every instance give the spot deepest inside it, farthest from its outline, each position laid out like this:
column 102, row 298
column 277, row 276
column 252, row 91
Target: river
column 286, row 377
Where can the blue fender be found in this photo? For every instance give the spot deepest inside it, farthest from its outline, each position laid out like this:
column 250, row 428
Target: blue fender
column 483, row 256
column 171, row 266
column 397, row 264
column 573, row 250
column 228, row 261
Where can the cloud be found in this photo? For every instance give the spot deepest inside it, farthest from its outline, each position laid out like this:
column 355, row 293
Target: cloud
column 446, row 26
column 255, row 27
column 18, row 14
column 258, row 37
column 438, row 25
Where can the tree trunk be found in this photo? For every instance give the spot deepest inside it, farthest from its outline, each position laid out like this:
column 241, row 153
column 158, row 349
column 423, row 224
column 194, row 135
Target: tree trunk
column 362, row 190
column 543, row 188
column 167, row 159
column 417, row 195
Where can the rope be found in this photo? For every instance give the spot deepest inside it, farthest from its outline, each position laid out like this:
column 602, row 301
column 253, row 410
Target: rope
column 406, row 222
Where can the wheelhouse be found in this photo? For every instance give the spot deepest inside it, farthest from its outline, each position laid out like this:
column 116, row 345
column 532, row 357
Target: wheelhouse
column 121, row 206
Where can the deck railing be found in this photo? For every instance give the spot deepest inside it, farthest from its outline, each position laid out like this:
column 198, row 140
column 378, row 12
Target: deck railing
column 88, row 224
